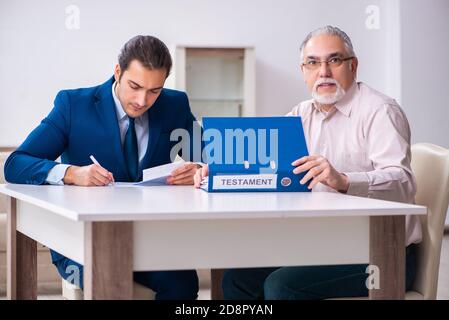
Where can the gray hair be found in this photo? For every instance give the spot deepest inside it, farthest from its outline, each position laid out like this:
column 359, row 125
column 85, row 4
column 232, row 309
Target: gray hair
column 329, row 30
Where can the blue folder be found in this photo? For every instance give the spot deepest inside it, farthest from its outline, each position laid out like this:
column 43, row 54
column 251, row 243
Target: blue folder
column 253, row 154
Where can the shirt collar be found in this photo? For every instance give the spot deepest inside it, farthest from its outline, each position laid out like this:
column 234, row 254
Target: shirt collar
column 346, row 103
column 121, row 114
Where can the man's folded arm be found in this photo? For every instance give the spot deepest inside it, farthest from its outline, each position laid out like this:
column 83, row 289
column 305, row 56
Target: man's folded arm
column 392, row 184
column 35, row 157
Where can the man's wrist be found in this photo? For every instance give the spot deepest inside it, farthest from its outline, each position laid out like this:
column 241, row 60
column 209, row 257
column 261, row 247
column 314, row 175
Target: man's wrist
column 68, row 177
column 345, row 183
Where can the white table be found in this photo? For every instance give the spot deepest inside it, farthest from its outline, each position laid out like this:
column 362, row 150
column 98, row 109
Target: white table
column 113, row 231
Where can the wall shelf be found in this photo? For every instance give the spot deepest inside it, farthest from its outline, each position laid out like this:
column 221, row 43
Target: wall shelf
column 220, row 82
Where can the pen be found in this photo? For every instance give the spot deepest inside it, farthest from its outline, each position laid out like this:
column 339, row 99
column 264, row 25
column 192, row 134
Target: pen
column 98, row 164
column 94, row 160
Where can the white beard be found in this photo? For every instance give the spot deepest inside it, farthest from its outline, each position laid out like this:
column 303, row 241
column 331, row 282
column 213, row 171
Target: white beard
column 330, row 98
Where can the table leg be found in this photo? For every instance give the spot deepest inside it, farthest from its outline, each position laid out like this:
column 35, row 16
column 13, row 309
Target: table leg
column 387, row 253
column 216, row 276
column 21, row 259
column 108, row 264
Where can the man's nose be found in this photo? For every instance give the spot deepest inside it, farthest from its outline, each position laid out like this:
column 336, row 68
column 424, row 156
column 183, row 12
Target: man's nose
column 325, row 70
column 141, row 97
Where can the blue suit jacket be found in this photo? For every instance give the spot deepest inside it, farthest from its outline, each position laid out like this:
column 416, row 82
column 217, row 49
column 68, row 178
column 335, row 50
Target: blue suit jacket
column 83, row 122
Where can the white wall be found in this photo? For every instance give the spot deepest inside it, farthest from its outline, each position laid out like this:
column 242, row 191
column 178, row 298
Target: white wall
column 39, row 56
column 425, row 68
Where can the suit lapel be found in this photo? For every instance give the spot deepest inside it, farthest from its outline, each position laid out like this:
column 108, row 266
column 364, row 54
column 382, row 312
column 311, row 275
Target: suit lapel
column 106, row 106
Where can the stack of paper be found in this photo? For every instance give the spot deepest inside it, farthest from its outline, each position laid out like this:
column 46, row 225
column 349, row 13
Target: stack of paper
column 155, row 176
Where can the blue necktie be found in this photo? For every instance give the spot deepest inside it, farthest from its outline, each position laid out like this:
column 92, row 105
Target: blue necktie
column 131, row 152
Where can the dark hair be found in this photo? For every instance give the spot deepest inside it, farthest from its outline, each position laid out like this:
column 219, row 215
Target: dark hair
column 148, row 50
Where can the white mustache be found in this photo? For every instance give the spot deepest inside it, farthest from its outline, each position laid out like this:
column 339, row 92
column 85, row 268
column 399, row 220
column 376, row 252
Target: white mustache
column 324, row 80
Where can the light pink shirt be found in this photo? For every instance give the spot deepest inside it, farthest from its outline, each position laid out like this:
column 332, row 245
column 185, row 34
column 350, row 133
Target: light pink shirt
column 366, row 136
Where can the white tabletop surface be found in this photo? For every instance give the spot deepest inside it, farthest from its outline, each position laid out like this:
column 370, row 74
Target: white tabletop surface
column 186, row 202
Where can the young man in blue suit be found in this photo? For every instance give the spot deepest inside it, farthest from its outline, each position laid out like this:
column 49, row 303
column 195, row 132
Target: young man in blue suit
column 126, row 124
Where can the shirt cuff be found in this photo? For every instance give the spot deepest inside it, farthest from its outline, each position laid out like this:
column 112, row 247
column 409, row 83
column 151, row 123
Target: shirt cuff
column 56, row 174
column 358, row 184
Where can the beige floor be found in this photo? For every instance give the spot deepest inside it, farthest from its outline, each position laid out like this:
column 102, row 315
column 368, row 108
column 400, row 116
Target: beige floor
column 443, row 281
column 204, row 294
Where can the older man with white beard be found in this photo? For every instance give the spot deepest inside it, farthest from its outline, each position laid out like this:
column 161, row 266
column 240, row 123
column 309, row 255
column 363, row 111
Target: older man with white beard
column 359, row 141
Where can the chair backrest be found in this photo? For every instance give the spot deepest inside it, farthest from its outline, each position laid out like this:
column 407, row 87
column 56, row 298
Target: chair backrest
column 430, row 164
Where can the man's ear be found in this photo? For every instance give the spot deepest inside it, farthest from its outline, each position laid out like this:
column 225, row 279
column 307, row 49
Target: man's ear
column 354, row 65
column 301, row 67
column 117, row 73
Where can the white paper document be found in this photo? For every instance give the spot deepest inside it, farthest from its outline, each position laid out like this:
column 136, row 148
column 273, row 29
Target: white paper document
column 155, row 176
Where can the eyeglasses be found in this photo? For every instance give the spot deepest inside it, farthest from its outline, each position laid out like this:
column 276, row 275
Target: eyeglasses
column 333, row 62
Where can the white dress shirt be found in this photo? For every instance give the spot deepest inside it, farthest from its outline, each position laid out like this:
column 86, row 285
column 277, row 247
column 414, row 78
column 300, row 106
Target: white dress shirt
column 366, row 136
column 57, row 173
